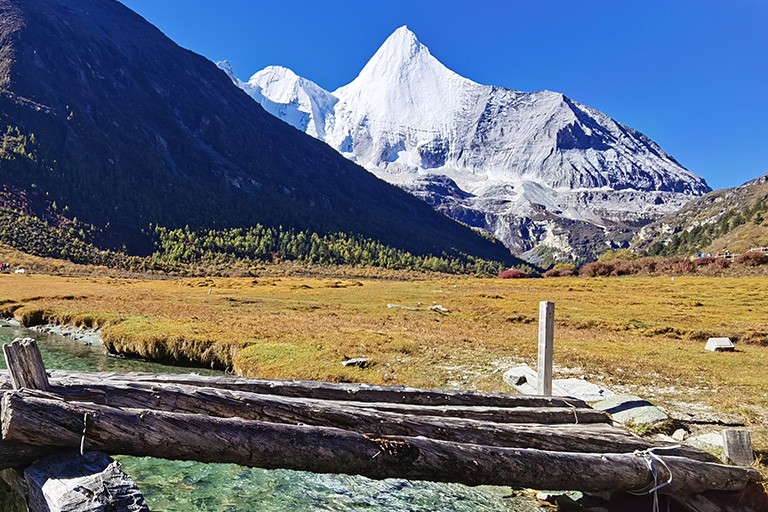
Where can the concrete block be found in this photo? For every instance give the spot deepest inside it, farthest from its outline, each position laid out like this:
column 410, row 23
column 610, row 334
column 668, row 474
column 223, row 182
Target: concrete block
column 720, row 345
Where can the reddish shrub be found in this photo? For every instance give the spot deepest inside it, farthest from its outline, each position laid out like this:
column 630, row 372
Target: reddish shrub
column 721, row 263
column 682, row 266
column 596, row 269
column 624, row 268
column 560, row 272
column 513, row 273
column 752, row 259
column 704, row 262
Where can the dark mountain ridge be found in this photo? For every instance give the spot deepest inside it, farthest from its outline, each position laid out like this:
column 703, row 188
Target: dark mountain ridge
column 115, row 124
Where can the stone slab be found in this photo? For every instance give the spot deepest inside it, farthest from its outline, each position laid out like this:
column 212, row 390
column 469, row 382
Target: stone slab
column 523, row 378
column 631, row 409
column 706, row 441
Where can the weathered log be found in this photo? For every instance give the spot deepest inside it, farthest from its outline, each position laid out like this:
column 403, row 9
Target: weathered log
column 333, row 391
column 591, row 438
column 12, row 490
column 25, row 364
column 224, row 402
column 29, row 418
column 14, row 455
column 14, row 478
column 81, row 483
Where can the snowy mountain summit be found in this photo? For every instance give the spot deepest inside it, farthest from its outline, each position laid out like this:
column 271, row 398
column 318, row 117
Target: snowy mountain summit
column 545, row 174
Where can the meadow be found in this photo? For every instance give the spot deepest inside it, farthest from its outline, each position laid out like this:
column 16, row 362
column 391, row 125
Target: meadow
column 643, row 335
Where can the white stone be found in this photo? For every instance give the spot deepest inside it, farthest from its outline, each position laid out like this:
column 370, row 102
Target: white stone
column 704, row 441
column 524, row 378
column 679, row 434
column 720, row 345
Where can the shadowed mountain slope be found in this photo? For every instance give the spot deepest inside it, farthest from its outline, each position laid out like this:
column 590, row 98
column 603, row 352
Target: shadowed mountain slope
column 107, row 120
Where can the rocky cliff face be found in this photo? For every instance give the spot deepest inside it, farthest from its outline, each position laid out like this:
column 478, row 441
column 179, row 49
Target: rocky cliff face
column 532, row 168
column 120, row 127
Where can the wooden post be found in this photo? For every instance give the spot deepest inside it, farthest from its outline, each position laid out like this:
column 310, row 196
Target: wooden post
column 546, row 347
column 25, row 364
column 738, row 447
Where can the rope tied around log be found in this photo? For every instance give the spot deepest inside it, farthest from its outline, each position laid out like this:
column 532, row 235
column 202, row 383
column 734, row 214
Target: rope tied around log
column 654, row 486
column 85, row 428
column 575, row 413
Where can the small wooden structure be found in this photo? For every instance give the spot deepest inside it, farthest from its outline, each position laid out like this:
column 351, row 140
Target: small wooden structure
column 379, row 432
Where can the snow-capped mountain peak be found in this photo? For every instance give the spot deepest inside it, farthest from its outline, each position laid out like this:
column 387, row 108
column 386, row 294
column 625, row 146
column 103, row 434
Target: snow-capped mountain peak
column 403, row 83
column 530, row 167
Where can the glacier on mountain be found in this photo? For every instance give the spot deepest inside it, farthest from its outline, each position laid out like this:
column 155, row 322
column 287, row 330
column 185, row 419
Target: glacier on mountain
column 538, row 170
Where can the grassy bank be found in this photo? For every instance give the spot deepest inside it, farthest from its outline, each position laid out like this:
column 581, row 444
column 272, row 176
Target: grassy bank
column 639, row 334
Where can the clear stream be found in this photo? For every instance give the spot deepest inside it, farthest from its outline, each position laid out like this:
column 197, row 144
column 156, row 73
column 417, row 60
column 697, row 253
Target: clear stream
column 174, row 486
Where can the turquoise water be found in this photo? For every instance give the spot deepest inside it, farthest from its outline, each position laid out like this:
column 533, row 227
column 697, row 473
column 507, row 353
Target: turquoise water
column 174, row 486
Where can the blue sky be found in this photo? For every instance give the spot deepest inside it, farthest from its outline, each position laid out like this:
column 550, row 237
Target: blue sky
column 690, row 74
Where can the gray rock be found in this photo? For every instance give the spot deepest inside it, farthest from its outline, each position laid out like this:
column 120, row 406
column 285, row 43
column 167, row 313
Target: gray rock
column 705, row 441
column 679, row 434
column 360, row 362
column 631, row 409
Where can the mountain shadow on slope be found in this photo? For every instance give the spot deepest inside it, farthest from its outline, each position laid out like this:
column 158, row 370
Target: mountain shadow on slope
column 115, row 124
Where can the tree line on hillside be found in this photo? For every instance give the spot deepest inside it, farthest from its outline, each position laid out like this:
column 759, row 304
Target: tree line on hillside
column 272, row 244
column 71, row 240
column 690, row 241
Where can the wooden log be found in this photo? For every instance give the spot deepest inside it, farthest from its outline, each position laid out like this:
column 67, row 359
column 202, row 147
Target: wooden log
column 10, row 487
column 32, row 419
column 223, row 402
column 333, row 391
column 81, row 483
column 25, row 364
column 594, row 438
column 15, row 455
column 14, row 478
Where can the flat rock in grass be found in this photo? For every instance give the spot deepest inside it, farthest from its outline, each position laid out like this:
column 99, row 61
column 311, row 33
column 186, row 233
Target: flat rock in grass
column 523, row 378
column 360, row 362
column 706, row 441
column 581, row 389
column 631, row 409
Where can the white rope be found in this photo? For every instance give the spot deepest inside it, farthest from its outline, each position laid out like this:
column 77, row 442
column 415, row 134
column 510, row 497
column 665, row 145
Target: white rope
column 573, row 407
column 650, row 457
column 82, row 439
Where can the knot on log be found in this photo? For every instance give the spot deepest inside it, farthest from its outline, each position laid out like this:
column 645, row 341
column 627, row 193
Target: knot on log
column 399, row 452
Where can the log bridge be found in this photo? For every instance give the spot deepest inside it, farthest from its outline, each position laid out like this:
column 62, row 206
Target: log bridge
column 519, row 441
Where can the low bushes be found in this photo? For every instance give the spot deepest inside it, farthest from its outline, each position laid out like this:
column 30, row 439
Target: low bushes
column 671, row 266
column 752, row 259
column 513, row 273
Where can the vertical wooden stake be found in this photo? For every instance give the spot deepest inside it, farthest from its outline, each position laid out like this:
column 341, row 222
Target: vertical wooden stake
column 25, row 364
column 546, row 347
column 738, row 447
